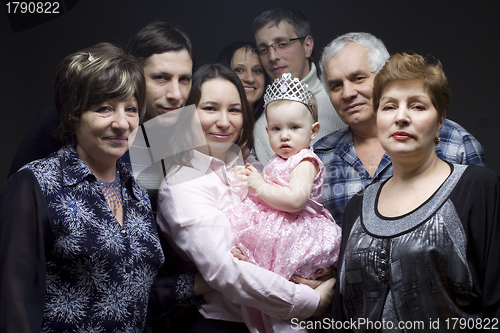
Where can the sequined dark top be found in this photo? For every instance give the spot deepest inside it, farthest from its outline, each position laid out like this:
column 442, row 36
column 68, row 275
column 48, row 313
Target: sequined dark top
column 435, row 263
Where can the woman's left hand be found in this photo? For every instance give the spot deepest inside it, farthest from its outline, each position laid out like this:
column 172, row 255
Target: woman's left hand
column 321, row 274
column 325, row 273
column 326, row 291
column 325, row 286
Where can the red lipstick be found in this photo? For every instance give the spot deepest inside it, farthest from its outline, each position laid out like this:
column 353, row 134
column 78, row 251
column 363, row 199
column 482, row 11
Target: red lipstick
column 402, row 136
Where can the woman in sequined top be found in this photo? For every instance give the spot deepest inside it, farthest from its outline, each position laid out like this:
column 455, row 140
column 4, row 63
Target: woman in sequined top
column 79, row 246
column 421, row 248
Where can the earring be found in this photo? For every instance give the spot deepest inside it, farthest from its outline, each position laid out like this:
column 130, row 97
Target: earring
column 437, row 139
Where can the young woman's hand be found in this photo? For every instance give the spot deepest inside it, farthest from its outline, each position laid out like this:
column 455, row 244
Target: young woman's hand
column 326, row 292
column 323, row 283
column 321, row 274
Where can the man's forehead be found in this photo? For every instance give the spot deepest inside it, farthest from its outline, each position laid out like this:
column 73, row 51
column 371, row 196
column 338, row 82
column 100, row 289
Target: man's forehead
column 348, row 63
column 170, row 59
column 273, row 32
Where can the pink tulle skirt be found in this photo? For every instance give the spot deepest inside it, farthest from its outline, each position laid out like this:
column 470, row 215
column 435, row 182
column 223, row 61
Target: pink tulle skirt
column 285, row 243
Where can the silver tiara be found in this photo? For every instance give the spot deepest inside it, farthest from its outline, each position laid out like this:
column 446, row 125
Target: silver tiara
column 285, row 88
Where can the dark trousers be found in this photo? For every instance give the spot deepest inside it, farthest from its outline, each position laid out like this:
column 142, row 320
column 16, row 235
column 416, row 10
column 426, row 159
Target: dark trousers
column 202, row 325
column 193, row 322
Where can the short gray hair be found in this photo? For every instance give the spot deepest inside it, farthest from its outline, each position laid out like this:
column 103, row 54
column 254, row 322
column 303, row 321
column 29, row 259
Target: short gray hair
column 377, row 52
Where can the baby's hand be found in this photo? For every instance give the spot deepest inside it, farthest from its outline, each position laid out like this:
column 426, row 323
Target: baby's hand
column 254, row 178
column 236, row 252
column 240, row 174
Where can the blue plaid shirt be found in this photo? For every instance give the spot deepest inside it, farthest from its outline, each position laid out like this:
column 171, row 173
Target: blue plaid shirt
column 345, row 175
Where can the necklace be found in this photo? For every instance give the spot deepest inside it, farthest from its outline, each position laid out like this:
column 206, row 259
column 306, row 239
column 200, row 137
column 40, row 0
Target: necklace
column 112, row 192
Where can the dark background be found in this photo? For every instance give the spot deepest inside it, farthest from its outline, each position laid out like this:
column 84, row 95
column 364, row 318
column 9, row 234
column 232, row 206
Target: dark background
column 464, row 35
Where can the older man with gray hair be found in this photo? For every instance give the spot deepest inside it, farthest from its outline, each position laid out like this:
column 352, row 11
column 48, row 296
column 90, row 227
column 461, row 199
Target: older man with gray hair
column 353, row 156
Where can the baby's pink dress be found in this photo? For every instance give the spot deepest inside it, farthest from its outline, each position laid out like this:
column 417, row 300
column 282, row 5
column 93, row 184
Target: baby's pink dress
column 287, row 243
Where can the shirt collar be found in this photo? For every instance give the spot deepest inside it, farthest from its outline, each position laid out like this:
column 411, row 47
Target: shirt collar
column 335, row 140
column 345, row 144
column 75, row 170
column 73, row 167
column 206, row 163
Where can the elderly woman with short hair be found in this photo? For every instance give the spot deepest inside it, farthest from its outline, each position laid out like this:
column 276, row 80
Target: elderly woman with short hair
column 79, row 247
column 422, row 246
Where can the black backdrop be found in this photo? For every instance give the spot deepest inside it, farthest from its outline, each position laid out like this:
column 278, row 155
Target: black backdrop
column 464, row 35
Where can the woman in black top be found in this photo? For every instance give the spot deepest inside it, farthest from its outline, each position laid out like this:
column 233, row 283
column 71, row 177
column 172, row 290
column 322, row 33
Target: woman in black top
column 422, row 247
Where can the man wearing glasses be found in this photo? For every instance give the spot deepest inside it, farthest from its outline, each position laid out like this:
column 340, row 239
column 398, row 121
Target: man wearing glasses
column 285, row 45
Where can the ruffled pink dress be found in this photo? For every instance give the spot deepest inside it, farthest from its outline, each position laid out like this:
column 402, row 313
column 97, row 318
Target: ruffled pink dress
column 287, row 243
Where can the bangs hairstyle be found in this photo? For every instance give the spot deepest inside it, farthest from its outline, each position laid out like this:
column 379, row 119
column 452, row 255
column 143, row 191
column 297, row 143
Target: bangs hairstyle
column 218, row 71
column 414, row 66
column 92, row 76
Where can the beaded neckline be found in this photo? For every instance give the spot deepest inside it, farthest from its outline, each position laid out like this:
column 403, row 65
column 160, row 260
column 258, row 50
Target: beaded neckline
column 112, row 192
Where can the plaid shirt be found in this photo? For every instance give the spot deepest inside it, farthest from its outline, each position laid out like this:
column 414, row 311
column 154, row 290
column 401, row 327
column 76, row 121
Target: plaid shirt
column 345, row 175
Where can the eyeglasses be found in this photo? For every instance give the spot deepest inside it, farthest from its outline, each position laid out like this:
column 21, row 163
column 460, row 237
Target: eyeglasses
column 278, row 46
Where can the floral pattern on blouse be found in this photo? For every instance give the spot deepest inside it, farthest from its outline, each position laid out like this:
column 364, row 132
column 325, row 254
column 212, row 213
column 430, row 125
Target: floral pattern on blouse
column 99, row 273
